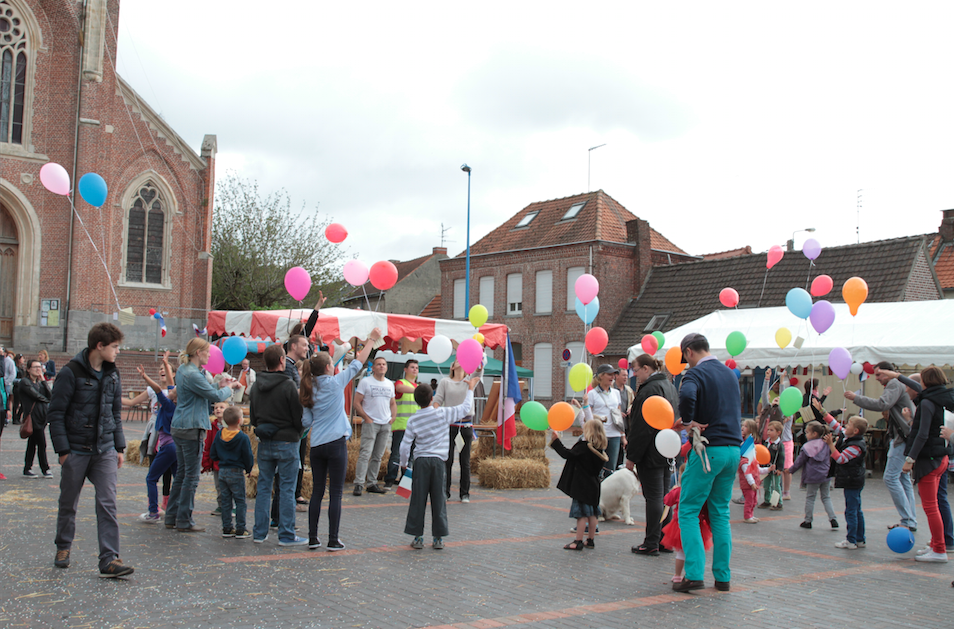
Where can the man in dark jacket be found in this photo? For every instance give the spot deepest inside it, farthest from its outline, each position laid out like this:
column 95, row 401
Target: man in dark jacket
column 87, row 433
column 275, row 410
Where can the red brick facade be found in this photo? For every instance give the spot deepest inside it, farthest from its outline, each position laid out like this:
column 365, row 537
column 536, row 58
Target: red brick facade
column 79, row 111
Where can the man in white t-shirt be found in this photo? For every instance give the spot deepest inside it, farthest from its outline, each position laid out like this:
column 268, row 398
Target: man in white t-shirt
column 374, row 402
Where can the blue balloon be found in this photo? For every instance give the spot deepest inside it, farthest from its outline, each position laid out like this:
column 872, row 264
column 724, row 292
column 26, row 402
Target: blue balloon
column 738, row 373
column 588, row 313
column 799, row 302
column 93, row 189
column 900, row 539
column 234, row 350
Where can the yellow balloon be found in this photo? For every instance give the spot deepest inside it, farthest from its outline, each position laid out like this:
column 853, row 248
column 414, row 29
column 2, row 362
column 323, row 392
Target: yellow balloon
column 783, row 337
column 478, row 315
column 479, row 338
column 580, row 376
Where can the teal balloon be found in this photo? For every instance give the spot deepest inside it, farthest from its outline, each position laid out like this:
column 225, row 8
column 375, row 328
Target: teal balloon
column 799, row 302
column 587, row 313
column 735, row 343
column 534, row 416
column 93, row 189
column 234, row 350
column 790, row 401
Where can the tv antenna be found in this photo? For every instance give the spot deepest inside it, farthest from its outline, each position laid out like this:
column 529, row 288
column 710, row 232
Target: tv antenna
column 444, row 231
column 858, row 219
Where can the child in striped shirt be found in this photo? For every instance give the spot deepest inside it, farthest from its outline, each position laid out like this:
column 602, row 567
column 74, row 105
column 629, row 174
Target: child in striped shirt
column 427, row 432
column 848, row 455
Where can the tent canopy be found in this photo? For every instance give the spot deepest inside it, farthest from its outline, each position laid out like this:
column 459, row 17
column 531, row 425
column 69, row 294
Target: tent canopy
column 905, row 333
column 401, row 332
column 494, row 367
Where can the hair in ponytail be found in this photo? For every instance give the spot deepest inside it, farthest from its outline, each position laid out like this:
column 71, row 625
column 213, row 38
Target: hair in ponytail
column 316, row 366
column 193, row 347
column 645, row 360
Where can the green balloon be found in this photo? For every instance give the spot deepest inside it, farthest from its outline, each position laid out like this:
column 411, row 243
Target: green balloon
column 735, row 343
column 534, row 416
column 580, row 376
column 790, row 401
column 660, row 339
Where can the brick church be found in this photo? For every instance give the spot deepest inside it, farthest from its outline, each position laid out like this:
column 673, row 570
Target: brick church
column 148, row 246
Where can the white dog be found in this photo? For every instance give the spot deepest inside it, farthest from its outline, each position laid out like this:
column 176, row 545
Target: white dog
column 616, row 491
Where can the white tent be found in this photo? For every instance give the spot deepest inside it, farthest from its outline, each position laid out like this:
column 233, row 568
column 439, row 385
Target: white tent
column 905, row 333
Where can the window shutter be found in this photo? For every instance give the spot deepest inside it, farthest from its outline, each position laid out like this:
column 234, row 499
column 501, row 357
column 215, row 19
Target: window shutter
column 459, row 299
column 486, row 294
column 545, row 292
column 572, row 274
column 542, row 370
column 577, row 350
column 515, row 294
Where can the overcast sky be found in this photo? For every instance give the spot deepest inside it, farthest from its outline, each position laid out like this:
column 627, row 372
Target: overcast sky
column 726, row 123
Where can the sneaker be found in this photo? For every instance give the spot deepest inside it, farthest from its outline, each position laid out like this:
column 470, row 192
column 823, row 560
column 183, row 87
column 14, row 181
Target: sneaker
column 765, row 505
column 62, row 559
column 217, row 512
column 923, row 551
column 191, row 529
column 806, row 524
column 357, row 490
column 751, row 520
column 439, row 543
column 273, row 524
column 932, row 557
column 242, row 534
column 736, row 501
column 150, row 518
column 260, row 541
column 115, row 569
column 335, row 545
column 314, row 543
column 775, row 508
column 860, row 544
column 48, row 474
column 417, row 543
column 29, row 474
column 663, row 549
column 834, row 523
column 465, row 499
column 374, row 489
column 786, row 496
column 645, row 550
column 228, row 532
column 845, row 544
column 296, row 541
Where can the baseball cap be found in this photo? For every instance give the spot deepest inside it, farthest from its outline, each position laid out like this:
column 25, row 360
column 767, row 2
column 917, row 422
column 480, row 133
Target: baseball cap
column 604, row 368
column 688, row 340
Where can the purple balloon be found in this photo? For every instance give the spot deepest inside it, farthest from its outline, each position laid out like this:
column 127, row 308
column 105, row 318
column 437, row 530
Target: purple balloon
column 822, row 316
column 811, row 249
column 839, row 361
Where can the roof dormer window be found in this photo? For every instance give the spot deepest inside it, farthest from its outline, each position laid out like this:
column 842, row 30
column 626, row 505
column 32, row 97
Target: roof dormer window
column 573, row 211
column 526, row 219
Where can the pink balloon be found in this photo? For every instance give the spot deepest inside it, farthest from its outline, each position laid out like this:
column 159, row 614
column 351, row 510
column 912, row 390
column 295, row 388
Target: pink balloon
column 821, row 286
column 729, row 297
column 336, row 233
column 297, row 282
column 587, row 288
column 55, row 178
column 470, row 355
column 649, row 344
column 623, row 363
column 216, row 361
column 355, row 272
column 775, row 254
column 596, row 340
column 383, row 275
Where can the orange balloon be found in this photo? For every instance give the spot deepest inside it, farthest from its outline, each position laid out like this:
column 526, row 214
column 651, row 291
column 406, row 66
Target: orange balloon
column 762, row 454
column 658, row 413
column 855, row 292
column 674, row 361
column 561, row 416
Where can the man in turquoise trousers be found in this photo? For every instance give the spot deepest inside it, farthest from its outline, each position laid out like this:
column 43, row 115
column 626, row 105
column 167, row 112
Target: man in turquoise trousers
column 708, row 400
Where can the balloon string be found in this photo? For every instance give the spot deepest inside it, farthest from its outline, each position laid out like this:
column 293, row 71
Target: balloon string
column 811, row 263
column 764, row 279
column 366, row 300
column 101, row 259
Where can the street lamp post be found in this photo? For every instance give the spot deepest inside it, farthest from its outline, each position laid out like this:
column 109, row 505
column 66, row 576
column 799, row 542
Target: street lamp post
column 466, row 169
column 791, row 243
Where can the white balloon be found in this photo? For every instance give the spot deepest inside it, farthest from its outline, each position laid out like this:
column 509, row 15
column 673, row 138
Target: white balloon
column 856, row 368
column 439, row 348
column 339, row 350
column 668, row 443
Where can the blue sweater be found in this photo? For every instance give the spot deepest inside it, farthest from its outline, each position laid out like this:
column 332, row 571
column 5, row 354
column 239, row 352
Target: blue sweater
column 709, row 395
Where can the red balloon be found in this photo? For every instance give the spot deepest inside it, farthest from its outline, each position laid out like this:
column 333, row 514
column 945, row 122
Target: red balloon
column 650, row 344
column 729, row 297
column 623, row 363
column 731, row 364
column 383, row 275
column 596, row 340
column 793, row 381
column 152, row 311
column 336, row 233
column 868, row 367
column 821, row 286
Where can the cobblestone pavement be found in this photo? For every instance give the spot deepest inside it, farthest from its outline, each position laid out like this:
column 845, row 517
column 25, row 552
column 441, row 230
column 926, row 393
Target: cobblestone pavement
column 504, row 565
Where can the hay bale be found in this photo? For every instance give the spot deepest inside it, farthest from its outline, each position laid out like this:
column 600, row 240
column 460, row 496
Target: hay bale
column 354, row 449
column 307, row 485
column 132, row 453
column 251, row 483
column 513, row 473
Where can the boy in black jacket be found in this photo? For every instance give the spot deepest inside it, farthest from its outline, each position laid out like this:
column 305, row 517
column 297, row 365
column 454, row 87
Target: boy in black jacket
column 849, row 463
column 233, row 452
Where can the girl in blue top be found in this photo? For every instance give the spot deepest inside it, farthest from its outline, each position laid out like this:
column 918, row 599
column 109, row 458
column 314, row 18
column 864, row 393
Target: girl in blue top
column 189, row 423
column 322, row 396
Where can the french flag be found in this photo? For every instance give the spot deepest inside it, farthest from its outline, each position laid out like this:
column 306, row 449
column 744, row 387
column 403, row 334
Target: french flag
column 506, row 413
column 404, row 487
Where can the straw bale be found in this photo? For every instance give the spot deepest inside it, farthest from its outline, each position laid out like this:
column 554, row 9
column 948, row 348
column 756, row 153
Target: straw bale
column 354, row 449
column 132, row 453
column 513, row 473
column 251, row 483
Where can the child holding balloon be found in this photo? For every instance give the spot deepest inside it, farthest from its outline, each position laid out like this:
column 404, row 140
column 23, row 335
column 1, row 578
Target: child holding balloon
column 749, row 477
column 773, row 487
column 580, row 479
column 672, row 537
column 814, row 457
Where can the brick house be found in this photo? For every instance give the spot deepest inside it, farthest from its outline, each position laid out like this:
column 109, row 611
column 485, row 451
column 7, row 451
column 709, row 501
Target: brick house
column 418, row 281
column 942, row 253
column 524, row 272
column 63, row 102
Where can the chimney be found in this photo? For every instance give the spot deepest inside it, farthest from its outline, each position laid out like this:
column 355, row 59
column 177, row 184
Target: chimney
column 946, row 230
column 439, row 251
column 638, row 232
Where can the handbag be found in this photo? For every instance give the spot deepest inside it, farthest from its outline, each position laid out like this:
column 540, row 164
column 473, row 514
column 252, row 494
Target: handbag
column 617, row 418
column 26, row 427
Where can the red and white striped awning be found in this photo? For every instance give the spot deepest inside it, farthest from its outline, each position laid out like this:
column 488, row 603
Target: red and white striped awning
column 401, row 332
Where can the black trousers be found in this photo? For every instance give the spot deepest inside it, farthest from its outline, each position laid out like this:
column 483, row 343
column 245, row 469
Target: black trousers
column 655, row 484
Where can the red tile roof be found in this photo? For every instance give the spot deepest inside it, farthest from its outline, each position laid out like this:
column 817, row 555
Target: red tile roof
column 731, row 253
column 942, row 256
column 602, row 218
column 433, row 308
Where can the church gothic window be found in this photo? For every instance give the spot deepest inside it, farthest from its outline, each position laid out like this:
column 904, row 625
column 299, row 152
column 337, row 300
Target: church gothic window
column 145, row 236
column 13, row 74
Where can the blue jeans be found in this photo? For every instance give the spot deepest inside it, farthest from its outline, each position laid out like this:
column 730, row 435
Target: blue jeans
column 612, row 451
column 165, row 459
column 945, row 509
column 182, row 496
column 279, row 457
column 232, row 488
column 899, row 485
column 329, row 460
column 854, row 516
column 394, row 467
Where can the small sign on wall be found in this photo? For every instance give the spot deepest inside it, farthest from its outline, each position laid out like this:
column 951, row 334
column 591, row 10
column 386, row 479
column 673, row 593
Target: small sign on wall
column 49, row 312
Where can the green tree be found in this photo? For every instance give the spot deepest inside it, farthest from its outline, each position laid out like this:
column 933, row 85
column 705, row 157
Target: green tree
column 256, row 239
